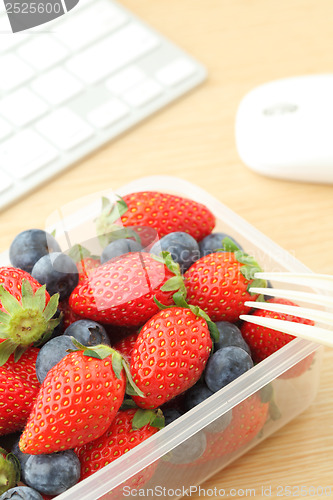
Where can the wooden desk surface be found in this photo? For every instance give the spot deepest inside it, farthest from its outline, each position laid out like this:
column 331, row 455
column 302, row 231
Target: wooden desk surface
column 243, row 43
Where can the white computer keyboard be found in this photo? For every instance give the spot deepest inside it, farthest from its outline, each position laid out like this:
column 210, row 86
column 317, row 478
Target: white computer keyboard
column 77, row 82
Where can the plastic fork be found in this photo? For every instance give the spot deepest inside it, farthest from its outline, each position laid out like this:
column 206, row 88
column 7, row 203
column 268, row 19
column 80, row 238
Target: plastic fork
column 313, row 333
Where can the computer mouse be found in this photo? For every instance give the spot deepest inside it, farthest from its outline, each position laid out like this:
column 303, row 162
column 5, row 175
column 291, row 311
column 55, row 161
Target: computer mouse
column 284, row 128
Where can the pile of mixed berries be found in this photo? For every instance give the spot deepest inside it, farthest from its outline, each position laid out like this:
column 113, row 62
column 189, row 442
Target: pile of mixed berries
column 97, row 353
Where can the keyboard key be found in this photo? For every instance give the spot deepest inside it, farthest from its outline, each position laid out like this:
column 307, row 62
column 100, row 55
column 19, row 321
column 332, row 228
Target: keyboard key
column 64, row 129
column 14, row 72
column 5, row 128
column 42, row 52
column 22, row 107
column 144, row 93
column 108, row 113
column 57, row 86
column 90, row 24
column 175, row 72
column 112, row 53
column 125, row 79
column 5, row 182
column 25, row 153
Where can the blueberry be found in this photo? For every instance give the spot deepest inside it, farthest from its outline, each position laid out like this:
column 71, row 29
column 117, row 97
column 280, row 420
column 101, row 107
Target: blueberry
column 53, row 473
column 220, row 424
column 188, row 451
column 213, row 242
column 170, row 415
column 183, row 248
column 51, row 353
column 119, row 247
column 196, row 395
column 225, row 365
column 88, row 332
column 230, row 334
column 21, row 493
column 58, row 272
column 29, row 246
column 21, row 457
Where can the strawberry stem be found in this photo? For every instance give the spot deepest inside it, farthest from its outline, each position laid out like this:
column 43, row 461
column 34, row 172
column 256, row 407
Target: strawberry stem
column 142, row 417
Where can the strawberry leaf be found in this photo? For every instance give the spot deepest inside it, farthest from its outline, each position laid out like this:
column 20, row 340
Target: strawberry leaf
column 229, row 245
column 51, row 307
column 9, row 302
column 145, row 417
column 19, row 351
column 117, row 364
column 142, row 418
column 7, row 347
column 78, row 252
column 27, row 295
column 174, row 283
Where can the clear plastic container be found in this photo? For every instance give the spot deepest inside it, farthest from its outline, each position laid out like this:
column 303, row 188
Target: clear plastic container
column 153, row 466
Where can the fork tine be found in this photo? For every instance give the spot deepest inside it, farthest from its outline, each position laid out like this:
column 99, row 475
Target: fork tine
column 307, row 332
column 300, row 312
column 322, row 281
column 311, row 298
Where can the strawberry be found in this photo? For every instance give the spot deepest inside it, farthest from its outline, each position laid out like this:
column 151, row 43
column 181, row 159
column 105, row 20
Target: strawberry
column 264, row 341
column 170, row 355
column 25, row 367
column 77, row 401
column 218, row 283
column 26, row 312
column 121, row 292
column 69, row 316
column 16, row 400
column 9, row 471
column 126, row 345
column 85, row 262
column 248, row 418
column 122, row 436
column 167, row 213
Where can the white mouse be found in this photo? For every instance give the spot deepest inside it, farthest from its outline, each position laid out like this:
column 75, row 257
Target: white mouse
column 284, row 128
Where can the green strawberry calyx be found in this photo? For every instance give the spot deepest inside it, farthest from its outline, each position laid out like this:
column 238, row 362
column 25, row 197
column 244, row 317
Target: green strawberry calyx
column 106, row 227
column 77, row 253
column 155, row 418
column 176, row 282
column 27, row 323
column 249, row 267
column 9, row 471
column 102, row 351
column 180, row 301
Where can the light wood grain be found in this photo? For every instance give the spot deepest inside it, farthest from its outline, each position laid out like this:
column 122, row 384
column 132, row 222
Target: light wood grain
column 243, row 43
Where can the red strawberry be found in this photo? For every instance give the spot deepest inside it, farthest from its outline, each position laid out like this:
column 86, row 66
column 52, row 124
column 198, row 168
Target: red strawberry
column 76, row 403
column 86, row 267
column 26, row 312
column 170, row 355
column 121, row 292
column 69, row 316
column 9, row 471
column 248, row 418
column 126, row 345
column 218, row 286
column 25, row 367
column 16, row 401
column 264, row 341
column 120, row 438
column 168, row 213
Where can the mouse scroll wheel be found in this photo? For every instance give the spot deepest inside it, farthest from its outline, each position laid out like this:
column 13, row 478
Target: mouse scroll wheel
column 280, row 109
